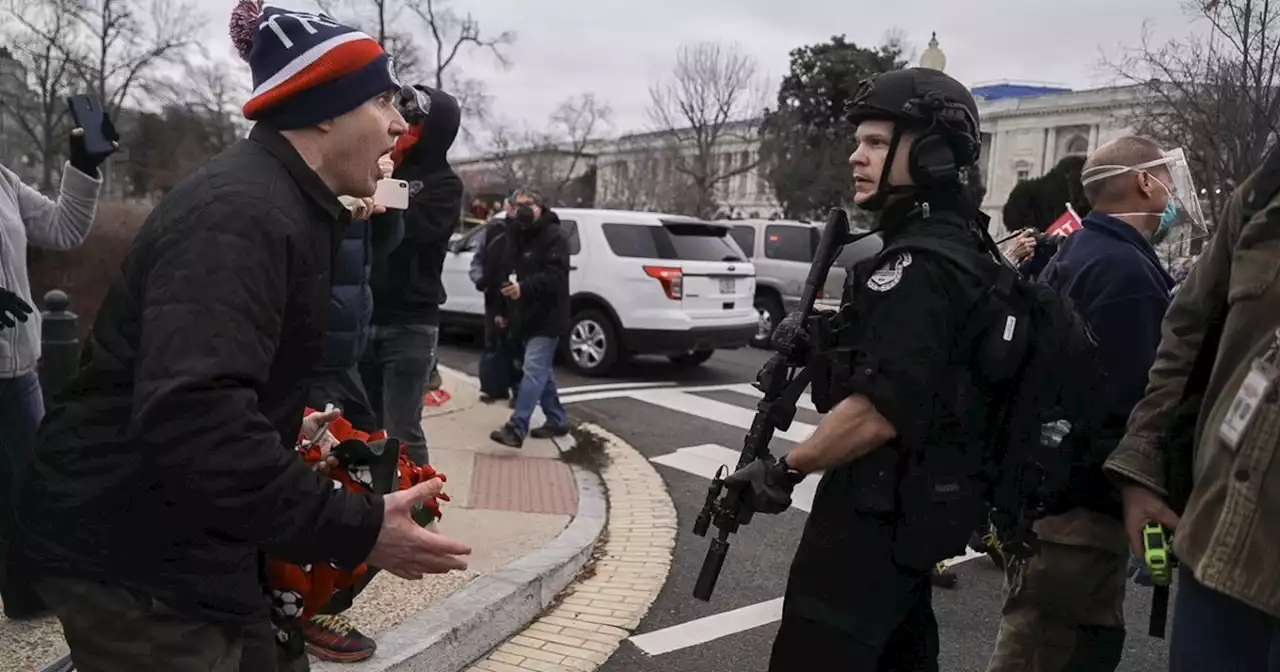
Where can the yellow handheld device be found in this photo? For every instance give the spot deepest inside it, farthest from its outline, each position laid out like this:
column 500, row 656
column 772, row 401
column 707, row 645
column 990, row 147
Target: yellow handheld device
column 1156, row 545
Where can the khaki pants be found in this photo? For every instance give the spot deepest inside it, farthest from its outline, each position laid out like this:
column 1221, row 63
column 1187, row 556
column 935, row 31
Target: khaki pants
column 1063, row 610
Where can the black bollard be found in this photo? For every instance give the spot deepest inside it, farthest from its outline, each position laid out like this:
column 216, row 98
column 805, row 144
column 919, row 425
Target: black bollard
column 59, row 345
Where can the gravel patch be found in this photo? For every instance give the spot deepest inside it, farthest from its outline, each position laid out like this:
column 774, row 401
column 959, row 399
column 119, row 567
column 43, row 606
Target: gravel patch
column 389, row 600
column 29, row 646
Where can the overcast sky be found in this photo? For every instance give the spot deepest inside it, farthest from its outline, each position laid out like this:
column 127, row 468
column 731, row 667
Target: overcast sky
column 617, row 48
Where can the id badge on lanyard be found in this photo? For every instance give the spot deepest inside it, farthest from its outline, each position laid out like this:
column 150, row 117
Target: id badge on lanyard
column 1263, row 372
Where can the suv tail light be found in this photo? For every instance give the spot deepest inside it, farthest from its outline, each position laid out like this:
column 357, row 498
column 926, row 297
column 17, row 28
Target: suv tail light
column 672, row 280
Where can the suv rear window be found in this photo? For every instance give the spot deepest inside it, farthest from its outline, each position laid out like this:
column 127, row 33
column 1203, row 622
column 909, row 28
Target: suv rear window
column 686, row 241
column 790, row 243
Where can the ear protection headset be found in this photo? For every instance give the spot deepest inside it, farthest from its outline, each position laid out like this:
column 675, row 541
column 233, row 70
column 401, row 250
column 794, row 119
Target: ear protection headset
column 935, row 156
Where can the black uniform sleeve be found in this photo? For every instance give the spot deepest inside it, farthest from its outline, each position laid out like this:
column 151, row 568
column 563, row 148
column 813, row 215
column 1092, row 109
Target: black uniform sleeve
column 554, row 271
column 388, row 231
column 907, row 324
column 212, row 308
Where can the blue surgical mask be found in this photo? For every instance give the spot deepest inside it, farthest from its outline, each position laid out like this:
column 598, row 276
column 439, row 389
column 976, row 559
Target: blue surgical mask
column 1166, row 218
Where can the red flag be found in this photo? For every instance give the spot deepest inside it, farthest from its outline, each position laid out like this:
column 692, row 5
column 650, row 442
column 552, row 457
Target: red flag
column 1065, row 225
column 436, row 398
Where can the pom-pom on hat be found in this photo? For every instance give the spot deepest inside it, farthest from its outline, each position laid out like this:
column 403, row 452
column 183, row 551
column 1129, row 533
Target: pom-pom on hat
column 306, row 67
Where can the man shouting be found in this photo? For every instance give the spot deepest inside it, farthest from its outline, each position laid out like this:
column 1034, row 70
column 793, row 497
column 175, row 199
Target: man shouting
column 165, row 472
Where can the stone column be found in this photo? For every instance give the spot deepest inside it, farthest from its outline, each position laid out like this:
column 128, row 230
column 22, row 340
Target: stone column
column 992, row 161
column 1045, row 162
column 1093, row 138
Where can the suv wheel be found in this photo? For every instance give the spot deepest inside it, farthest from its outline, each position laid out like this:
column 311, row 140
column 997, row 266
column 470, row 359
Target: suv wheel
column 692, row 359
column 769, row 312
column 592, row 346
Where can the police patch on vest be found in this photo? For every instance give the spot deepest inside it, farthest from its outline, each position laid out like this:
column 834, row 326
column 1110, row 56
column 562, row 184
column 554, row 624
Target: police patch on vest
column 890, row 274
column 414, row 187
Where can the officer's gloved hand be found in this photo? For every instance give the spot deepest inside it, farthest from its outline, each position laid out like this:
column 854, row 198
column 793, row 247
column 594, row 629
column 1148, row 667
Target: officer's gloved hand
column 768, row 489
column 12, row 309
column 790, row 337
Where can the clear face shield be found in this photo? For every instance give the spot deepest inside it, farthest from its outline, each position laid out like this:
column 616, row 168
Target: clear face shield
column 1184, row 189
column 1187, row 215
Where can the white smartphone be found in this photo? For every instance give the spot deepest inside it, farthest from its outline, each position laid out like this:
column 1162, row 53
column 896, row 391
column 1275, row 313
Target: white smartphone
column 393, row 194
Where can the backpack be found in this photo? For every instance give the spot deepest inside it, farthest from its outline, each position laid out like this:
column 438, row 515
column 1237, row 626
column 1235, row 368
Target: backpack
column 1036, row 357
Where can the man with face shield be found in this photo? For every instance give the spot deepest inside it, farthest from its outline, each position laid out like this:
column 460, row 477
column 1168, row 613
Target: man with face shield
column 1064, row 606
column 912, row 418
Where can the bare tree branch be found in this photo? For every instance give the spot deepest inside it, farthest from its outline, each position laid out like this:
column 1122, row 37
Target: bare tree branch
column 1217, row 96
column 714, row 98
column 45, row 47
column 452, row 32
column 555, row 160
column 129, row 38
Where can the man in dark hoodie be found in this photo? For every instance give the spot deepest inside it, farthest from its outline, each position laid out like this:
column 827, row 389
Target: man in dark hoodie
column 531, row 276
column 407, row 291
column 1065, row 606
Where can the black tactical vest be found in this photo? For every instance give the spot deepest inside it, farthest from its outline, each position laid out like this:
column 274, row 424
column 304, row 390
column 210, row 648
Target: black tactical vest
column 931, row 494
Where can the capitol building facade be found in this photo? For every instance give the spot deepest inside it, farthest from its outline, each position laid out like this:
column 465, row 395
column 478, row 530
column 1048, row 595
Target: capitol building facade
column 1026, row 131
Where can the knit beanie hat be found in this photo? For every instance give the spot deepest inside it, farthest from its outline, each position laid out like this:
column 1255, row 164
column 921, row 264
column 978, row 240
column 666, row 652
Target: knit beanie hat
column 306, row 67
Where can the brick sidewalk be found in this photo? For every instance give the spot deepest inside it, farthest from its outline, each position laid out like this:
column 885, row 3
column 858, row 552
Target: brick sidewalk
column 597, row 613
column 528, row 484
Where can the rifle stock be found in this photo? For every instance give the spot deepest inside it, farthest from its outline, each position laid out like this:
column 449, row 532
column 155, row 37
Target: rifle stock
column 782, row 380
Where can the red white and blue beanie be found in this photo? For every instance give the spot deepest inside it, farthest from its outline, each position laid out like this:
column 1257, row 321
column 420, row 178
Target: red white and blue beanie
column 306, row 67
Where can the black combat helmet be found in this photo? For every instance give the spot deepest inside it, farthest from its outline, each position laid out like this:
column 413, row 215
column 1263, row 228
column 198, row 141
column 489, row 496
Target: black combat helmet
column 938, row 109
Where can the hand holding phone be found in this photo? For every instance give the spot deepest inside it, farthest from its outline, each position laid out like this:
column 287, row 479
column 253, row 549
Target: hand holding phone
column 94, row 137
column 392, row 193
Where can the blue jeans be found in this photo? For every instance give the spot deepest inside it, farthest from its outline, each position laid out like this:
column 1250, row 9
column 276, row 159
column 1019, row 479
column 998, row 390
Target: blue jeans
column 1212, row 631
column 21, row 409
column 394, row 370
column 538, row 386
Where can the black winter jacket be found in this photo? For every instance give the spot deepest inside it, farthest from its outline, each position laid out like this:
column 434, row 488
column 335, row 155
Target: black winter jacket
column 539, row 256
column 167, row 466
column 406, row 285
column 351, row 302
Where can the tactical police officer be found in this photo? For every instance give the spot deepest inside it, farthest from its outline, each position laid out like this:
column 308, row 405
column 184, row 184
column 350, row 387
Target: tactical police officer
column 903, row 451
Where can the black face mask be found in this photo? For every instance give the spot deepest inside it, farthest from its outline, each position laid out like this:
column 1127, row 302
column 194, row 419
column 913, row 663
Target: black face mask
column 524, row 215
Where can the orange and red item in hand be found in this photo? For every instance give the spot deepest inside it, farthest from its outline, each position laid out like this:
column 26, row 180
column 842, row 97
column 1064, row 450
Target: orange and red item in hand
column 360, row 462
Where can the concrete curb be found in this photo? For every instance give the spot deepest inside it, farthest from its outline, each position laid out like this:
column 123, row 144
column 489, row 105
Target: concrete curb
column 451, row 633
column 597, row 613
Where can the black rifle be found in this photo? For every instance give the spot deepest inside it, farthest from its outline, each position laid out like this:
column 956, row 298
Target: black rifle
column 782, row 380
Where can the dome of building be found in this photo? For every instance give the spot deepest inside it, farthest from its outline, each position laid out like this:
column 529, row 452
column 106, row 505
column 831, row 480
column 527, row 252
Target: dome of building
column 933, row 58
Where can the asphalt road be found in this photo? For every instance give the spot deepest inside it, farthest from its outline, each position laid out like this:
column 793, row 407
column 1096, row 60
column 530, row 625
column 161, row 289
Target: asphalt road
column 671, row 638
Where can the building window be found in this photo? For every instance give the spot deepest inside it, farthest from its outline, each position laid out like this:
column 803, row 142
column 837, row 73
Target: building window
column 1078, row 145
column 1023, row 170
